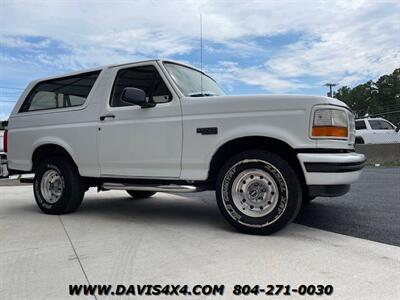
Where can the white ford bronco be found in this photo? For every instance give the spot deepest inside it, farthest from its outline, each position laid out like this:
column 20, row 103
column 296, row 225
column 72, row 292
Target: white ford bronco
column 162, row 126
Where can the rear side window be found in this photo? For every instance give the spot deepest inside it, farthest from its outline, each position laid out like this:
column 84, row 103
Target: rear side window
column 360, row 125
column 60, row 93
column 380, row 125
column 145, row 78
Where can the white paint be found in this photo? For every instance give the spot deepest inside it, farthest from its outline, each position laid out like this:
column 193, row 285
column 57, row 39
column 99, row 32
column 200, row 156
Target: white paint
column 162, row 142
column 378, row 136
column 317, row 178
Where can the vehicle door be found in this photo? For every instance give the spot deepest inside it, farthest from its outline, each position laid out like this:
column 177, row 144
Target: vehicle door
column 381, row 131
column 135, row 141
column 362, row 131
column 390, row 133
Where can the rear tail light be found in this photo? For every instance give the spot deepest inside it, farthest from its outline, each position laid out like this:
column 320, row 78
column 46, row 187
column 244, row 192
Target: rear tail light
column 5, row 141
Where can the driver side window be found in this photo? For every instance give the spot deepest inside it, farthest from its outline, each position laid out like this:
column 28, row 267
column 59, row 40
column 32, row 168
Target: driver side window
column 387, row 125
column 145, row 78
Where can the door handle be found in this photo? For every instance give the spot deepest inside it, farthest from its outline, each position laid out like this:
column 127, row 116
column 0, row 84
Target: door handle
column 103, row 117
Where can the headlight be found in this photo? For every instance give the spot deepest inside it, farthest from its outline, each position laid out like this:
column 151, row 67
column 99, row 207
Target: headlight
column 330, row 123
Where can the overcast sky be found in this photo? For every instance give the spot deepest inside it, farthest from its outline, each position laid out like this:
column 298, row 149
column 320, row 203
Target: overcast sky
column 249, row 46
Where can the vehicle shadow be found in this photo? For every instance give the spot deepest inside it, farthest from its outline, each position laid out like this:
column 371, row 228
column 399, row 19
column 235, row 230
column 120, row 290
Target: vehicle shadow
column 159, row 209
column 342, row 216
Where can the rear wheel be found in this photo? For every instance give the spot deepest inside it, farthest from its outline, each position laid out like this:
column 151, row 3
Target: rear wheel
column 57, row 186
column 140, row 194
column 258, row 192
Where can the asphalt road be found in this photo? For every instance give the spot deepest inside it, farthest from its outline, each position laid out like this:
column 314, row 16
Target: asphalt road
column 371, row 210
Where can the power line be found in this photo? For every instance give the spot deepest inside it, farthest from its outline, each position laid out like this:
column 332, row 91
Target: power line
column 11, row 88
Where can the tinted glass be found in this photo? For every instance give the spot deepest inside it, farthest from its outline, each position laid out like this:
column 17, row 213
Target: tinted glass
column 60, row 93
column 360, row 125
column 145, row 78
column 380, row 124
column 386, row 125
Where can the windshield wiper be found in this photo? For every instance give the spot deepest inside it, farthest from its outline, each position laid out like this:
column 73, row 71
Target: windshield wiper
column 202, row 94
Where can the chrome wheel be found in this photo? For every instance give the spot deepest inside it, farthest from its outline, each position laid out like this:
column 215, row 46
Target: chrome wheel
column 52, row 186
column 255, row 193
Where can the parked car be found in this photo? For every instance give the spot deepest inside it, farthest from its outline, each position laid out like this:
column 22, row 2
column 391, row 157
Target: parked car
column 162, row 126
column 376, row 131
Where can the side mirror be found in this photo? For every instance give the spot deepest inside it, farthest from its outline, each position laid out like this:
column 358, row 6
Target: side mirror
column 397, row 129
column 136, row 96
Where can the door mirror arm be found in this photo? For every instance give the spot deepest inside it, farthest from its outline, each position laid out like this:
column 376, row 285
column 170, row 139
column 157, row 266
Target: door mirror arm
column 136, row 96
column 397, row 129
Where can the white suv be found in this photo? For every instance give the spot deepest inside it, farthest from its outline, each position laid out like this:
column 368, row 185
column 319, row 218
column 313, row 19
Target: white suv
column 376, row 131
column 162, row 126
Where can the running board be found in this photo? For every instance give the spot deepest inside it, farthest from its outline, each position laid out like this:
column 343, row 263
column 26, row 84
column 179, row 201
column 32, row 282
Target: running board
column 171, row 188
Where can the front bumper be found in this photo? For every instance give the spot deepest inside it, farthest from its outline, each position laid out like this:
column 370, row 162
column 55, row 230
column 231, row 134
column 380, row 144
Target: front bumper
column 331, row 168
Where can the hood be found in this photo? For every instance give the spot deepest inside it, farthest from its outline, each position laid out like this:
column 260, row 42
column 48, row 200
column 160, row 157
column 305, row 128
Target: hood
column 265, row 102
column 334, row 101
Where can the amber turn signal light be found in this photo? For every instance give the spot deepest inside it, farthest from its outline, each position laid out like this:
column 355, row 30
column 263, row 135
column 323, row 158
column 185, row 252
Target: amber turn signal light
column 329, row 131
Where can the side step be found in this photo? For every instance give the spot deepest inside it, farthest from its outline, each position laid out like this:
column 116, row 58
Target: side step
column 171, row 188
column 26, row 180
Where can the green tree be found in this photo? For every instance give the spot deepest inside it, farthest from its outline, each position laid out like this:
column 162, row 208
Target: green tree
column 380, row 98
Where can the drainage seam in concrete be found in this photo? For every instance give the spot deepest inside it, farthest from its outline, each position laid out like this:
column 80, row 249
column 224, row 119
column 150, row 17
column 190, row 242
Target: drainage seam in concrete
column 76, row 253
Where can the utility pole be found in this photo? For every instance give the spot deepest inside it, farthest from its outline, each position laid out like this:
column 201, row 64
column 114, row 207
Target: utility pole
column 330, row 85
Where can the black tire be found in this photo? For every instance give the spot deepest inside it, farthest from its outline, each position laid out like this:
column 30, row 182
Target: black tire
column 72, row 192
column 280, row 177
column 140, row 194
column 359, row 140
column 307, row 199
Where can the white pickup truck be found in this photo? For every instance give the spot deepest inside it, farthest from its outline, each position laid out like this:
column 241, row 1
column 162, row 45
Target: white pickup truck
column 162, row 126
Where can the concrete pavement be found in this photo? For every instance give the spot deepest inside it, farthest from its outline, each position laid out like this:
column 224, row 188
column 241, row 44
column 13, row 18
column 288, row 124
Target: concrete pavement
column 173, row 239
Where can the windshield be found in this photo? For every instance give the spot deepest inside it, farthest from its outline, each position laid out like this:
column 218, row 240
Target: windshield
column 193, row 83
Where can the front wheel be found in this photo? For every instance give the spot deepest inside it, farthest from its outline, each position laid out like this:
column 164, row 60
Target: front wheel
column 57, row 186
column 258, row 192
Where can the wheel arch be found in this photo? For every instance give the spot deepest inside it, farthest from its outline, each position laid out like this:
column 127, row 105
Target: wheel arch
column 46, row 150
column 359, row 140
column 240, row 144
